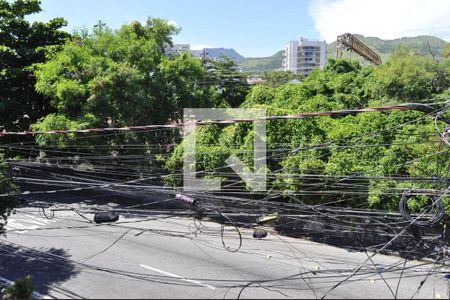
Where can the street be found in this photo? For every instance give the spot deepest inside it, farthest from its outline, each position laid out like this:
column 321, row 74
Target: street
column 165, row 256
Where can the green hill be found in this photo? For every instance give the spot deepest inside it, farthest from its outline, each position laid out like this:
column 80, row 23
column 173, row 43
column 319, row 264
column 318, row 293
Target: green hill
column 257, row 64
column 384, row 48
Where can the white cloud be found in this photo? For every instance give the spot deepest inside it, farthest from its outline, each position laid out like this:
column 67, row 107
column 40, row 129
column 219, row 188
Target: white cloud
column 200, row 47
column 387, row 19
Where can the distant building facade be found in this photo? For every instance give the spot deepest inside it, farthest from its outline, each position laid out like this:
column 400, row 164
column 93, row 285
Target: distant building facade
column 199, row 53
column 177, row 49
column 303, row 56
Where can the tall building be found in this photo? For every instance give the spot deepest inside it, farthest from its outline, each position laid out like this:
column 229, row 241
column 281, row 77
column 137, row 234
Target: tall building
column 303, row 56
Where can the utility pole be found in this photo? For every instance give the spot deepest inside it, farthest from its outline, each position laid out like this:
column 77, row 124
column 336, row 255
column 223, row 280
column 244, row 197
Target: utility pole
column 431, row 51
column 205, row 64
column 204, row 53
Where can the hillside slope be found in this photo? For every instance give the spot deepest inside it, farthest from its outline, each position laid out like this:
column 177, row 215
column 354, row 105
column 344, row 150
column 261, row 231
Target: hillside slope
column 384, row 48
column 230, row 53
column 257, row 64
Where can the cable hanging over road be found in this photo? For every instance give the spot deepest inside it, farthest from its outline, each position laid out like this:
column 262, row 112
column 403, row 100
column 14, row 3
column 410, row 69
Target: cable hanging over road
column 425, row 108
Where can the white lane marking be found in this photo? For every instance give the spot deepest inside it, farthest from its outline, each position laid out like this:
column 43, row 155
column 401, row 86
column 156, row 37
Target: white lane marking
column 23, row 224
column 179, row 277
column 40, row 219
column 13, row 223
column 29, row 220
column 11, row 226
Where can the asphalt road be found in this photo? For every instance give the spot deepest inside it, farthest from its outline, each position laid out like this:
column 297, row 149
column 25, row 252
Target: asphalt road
column 162, row 256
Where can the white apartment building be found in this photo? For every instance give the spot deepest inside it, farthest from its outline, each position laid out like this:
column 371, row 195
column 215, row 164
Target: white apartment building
column 303, row 56
column 177, row 49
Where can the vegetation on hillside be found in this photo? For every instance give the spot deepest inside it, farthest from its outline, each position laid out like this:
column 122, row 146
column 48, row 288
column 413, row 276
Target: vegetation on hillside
column 421, row 45
column 259, row 64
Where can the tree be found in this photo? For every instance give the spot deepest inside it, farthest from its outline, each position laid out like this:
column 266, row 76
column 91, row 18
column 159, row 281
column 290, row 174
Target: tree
column 7, row 190
column 277, row 78
column 22, row 45
column 339, row 155
column 120, row 78
column 408, row 77
column 224, row 77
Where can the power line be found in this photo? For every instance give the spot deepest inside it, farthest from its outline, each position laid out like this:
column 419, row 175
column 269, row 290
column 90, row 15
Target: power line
column 404, row 107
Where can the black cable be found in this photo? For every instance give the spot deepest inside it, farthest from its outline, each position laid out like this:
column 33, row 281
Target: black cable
column 436, row 203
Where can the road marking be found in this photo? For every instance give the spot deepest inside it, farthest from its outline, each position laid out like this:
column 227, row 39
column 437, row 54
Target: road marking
column 12, row 223
column 23, row 223
column 179, row 277
column 33, row 219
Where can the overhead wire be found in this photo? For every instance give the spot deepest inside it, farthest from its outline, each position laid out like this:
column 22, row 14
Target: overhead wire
column 130, row 184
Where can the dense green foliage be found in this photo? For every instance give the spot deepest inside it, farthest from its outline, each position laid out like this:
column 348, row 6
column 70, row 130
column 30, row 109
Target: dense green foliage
column 230, row 84
column 260, row 64
column 411, row 77
column 276, row 78
column 121, row 78
column 7, row 203
column 394, row 143
column 22, row 45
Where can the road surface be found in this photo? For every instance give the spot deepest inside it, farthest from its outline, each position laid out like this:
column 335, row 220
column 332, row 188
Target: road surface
column 164, row 256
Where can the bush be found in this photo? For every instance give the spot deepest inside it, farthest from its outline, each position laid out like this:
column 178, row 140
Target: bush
column 22, row 289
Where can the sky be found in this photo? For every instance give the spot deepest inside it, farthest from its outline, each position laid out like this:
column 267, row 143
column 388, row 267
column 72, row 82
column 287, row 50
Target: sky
column 257, row 28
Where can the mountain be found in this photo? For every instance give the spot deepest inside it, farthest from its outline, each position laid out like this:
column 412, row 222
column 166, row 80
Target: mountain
column 384, row 48
column 230, row 53
column 258, row 64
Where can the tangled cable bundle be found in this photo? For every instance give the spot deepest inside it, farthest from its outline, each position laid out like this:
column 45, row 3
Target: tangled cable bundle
column 437, row 203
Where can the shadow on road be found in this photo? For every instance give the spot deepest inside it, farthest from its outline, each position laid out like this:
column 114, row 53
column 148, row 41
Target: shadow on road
column 410, row 243
column 46, row 266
